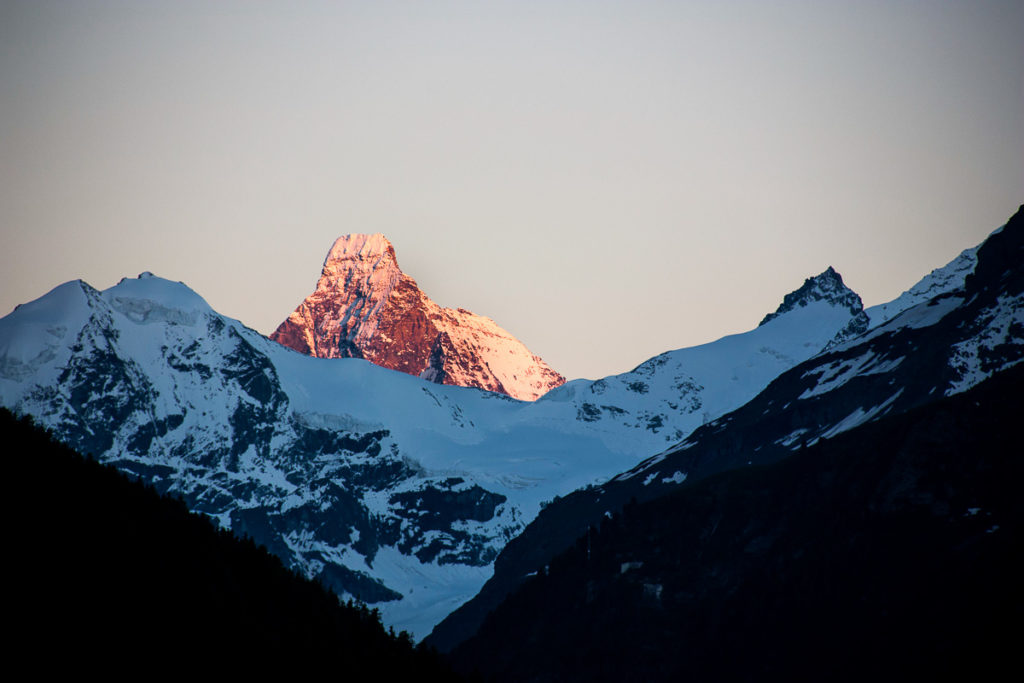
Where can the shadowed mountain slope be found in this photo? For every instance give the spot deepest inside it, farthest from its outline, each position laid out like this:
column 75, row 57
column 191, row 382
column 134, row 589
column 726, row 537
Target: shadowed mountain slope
column 891, row 552
column 110, row 572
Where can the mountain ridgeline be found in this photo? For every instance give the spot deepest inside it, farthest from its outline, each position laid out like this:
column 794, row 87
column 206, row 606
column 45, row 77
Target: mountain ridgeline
column 826, row 287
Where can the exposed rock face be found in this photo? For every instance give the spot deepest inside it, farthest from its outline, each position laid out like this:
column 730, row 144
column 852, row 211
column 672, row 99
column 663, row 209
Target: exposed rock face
column 364, row 306
column 828, row 286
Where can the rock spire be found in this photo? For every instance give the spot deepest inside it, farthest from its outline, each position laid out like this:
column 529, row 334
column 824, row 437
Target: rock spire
column 364, row 306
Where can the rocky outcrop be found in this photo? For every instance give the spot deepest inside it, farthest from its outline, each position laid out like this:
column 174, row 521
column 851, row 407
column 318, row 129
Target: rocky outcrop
column 829, row 287
column 364, row 306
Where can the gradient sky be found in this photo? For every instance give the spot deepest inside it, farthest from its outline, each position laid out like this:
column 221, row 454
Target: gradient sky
column 607, row 180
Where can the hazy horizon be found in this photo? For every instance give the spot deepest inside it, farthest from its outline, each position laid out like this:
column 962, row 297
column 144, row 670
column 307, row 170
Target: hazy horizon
column 606, row 180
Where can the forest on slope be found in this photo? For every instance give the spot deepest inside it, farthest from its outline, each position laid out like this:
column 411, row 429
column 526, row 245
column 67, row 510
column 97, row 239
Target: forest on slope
column 107, row 571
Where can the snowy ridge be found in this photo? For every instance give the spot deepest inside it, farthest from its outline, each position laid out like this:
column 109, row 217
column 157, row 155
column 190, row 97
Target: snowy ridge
column 970, row 330
column 665, row 398
column 364, row 306
column 940, row 281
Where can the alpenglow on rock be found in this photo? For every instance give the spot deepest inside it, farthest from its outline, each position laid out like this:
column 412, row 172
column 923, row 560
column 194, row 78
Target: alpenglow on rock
column 364, row 306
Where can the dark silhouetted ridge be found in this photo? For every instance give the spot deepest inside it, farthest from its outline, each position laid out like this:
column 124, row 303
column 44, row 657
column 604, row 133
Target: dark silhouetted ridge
column 107, row 572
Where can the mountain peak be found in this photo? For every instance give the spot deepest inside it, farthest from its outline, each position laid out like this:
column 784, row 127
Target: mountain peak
column 359, row 245
column 828, row 286
column 364, row 306
column 362, row 255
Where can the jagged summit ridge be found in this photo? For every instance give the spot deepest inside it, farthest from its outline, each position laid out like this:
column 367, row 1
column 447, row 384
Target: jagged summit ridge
column 364, row 306
column 829, row 288
column 361, row 255
column 359, row 245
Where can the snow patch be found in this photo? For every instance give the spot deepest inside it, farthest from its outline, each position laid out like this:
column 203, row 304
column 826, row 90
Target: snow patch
column 677, row 478
column 860, row 416
column 837, row 373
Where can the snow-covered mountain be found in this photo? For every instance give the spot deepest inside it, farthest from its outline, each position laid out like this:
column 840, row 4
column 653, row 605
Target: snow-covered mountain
column 376, row 482
column 385, row 486
column 364, row 306
column 939, row 347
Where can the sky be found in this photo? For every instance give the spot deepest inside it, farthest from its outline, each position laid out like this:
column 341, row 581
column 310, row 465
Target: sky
column 606, row 180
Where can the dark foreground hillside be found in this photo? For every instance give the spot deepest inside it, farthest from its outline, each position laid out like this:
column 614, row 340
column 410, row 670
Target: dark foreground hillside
column 107, row 572
column 891, row 552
